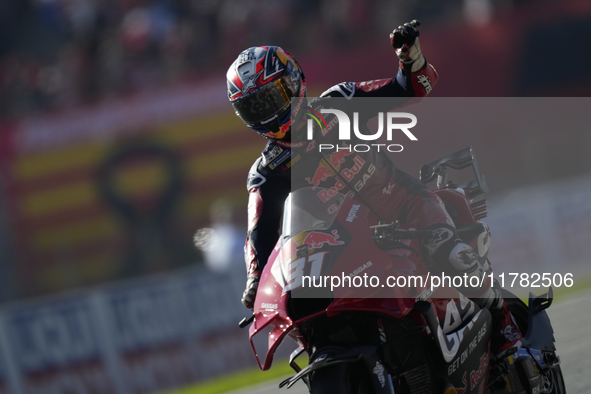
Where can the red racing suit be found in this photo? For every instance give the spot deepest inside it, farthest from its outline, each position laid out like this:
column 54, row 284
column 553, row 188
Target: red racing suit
column 389, row 192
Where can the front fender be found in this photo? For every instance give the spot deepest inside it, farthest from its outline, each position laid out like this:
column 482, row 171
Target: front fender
column 533, row 320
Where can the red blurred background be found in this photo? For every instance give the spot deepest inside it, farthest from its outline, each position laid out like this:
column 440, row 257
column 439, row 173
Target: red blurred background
column 117, row 136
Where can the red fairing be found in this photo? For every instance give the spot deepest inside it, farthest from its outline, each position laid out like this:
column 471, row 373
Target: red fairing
column 255, row 207
column 350, row 241
column 424, row 80
column 270, row 307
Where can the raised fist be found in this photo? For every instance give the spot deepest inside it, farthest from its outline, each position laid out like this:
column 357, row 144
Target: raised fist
column 405, row 40
column 405, row 34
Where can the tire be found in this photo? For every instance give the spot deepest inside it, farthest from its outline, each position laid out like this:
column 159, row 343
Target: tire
column 344, row 378
column 554, row 382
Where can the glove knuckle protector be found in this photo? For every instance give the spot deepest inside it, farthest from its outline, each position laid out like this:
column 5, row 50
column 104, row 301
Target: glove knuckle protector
column 249, row 295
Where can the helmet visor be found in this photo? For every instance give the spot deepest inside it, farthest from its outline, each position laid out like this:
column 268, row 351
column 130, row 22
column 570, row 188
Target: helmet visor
column 264, row 104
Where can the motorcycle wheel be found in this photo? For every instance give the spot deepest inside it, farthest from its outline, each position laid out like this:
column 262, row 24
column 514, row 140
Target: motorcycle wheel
column 553, row 381
column 345, row 378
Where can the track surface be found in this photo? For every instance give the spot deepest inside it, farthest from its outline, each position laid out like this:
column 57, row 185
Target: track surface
column 571, row 320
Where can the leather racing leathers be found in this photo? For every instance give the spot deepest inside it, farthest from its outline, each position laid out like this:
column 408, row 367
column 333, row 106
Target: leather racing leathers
column 369, row 177
column 387, row 190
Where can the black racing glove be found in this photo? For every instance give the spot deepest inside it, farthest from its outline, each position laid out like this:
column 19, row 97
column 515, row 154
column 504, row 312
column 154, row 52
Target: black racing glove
column 252, row 284
column 405, row 34
column 405, row 40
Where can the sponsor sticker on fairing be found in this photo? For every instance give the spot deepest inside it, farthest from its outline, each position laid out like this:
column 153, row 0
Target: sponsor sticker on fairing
column 352, row 213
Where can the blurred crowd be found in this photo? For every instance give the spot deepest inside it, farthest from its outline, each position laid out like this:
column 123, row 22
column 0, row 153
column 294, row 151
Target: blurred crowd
column 59, row 53
column 56, row 53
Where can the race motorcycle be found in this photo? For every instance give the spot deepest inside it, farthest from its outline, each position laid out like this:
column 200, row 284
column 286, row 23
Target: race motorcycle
column 402, row 339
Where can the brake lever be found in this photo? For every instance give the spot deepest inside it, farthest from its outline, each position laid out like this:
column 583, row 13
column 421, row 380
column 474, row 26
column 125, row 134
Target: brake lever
column 246, row 322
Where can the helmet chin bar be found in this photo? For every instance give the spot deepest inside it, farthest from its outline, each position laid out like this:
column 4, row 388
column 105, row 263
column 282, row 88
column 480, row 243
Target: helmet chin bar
column 297, row 122
column 282, row 134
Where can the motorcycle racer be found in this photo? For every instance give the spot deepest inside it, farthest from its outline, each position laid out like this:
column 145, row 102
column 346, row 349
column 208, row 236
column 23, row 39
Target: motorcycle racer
column 261, row 83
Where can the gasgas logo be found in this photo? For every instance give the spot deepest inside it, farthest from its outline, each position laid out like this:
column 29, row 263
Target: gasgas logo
column 342, row 120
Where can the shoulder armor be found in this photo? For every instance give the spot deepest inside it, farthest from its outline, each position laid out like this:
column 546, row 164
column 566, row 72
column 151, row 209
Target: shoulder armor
column 255, row 178
column 343, row 89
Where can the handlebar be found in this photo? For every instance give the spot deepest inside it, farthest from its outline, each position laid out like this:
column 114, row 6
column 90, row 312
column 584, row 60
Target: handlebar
column 389, row 231
column 387, row 236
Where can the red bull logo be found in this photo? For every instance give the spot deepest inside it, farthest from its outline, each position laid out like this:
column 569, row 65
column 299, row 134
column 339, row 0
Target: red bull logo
column 475, row 376
column 322, row 172
column 316, row 240
column 285, row 128
column 462, row 390
column 338, row 158
column 348, row 174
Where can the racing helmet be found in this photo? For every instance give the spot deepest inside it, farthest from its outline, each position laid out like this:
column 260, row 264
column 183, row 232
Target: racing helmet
column 261, row 83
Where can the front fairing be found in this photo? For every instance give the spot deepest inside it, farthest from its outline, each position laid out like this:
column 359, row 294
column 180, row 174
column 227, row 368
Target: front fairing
column 271, row 316
column 331, row 239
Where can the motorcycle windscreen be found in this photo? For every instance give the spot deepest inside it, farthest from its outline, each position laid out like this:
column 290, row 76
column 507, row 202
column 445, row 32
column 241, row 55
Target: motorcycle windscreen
column 305, row 211
column 307, row 237
column 327, row 248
